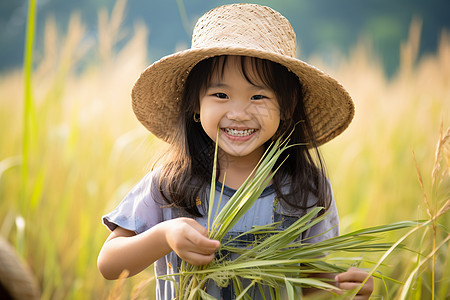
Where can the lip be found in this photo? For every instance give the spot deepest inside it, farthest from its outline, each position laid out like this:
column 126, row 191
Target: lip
column 237, row 137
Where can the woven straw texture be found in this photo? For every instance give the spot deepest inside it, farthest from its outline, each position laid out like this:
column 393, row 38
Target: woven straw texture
column 247, row 30
column 15, row 279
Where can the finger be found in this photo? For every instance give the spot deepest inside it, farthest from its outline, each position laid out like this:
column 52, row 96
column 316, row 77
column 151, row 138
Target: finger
column 348, row 285
column 195, row 225
column 364, row 290
column 355, row 297
column 353, row 278
column 348, row 293
column 202, row 243
column 197, row 259
column 194, row 233
column 352, row 274
column 367, row 288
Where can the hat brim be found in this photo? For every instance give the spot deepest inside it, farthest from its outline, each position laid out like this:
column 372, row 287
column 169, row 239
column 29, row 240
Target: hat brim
column 157, row 93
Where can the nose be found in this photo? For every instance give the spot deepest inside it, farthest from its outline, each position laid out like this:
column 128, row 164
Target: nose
column 239, row 111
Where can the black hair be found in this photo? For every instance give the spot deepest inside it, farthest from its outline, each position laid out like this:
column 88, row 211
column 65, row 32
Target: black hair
column 187, row 169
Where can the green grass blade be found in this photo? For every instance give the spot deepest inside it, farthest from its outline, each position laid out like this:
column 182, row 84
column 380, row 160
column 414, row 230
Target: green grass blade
column 248, row 193
column 28, row 113
column 205, row 295
column 213, row 182
column 289, row 289
column 408, row 283
column 243, row 293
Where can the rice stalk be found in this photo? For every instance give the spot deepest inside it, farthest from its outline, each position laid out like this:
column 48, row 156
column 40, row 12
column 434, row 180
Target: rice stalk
column 276, row 259
column 247, row 194
column 109, row 29
column 65, row 264
column 29, row 121
column 433, row 213
column 407, row 286
column 294, row 263
column 237, row 206
column 138, row 289
column 432, row 206
column 117, row 290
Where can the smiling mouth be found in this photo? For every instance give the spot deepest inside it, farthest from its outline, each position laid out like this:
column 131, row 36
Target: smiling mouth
column 235, row 132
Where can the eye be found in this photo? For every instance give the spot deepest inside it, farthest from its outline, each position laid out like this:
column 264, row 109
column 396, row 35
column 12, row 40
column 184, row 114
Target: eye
column 258, row 97
column 221, row 95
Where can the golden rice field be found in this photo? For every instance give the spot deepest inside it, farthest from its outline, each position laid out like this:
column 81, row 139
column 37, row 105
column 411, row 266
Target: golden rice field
column 85, row 150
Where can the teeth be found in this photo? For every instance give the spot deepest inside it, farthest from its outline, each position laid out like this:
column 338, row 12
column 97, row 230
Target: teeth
column 235, row 132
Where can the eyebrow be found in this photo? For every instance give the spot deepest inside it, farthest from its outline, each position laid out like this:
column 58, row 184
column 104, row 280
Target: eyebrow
column 223, row 85
column 217, row 85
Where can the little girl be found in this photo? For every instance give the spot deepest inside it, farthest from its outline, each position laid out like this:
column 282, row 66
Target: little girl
column 240, row 77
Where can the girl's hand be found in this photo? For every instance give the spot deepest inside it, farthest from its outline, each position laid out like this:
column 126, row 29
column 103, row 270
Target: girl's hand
column 352, row 279
column 190, row 241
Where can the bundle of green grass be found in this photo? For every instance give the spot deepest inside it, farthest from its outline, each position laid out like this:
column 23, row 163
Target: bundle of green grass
column 276, row 260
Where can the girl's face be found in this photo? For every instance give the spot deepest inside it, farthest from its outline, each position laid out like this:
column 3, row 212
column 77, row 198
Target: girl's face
column 247, row 114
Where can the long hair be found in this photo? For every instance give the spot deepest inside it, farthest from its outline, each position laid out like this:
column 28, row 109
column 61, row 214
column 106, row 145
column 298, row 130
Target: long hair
column 187, row 167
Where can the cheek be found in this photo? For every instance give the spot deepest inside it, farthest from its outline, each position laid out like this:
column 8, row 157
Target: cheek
column 269, row 115
column 211, row 111
column 209, row 118
column 208, row 114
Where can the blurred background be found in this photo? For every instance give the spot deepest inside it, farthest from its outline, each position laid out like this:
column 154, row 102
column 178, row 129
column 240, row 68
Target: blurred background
column 71, row 147
column 323, row 27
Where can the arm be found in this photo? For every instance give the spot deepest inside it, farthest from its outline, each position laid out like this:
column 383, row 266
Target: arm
column 124, row 250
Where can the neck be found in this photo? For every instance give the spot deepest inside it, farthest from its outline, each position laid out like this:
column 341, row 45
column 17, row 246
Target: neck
column 237, row 169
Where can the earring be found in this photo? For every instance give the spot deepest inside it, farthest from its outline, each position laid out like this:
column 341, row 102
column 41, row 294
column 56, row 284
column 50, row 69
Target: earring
column 197, row 118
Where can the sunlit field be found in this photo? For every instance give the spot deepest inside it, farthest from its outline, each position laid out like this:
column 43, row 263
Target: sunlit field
column 85, row 150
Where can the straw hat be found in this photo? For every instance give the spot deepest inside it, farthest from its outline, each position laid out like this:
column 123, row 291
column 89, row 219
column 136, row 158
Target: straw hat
column 246, row 30
column 16, row 280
